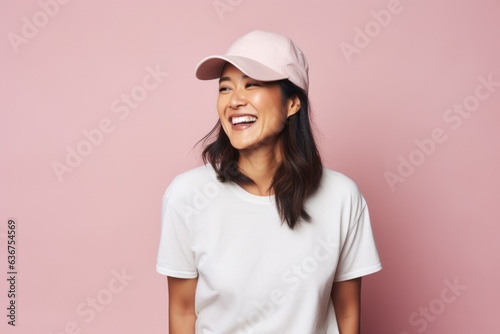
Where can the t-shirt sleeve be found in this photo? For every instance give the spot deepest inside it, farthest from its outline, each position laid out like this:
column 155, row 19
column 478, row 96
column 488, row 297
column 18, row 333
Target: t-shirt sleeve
column 175, row 257
column 358, row 256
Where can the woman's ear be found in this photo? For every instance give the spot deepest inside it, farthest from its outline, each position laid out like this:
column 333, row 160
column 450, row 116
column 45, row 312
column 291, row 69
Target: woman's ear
column 293, row 105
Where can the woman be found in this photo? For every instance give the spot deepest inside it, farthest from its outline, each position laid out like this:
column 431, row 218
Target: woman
column 263, row 239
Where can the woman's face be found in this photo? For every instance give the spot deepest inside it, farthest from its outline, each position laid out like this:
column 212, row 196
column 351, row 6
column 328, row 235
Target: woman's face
column 252, row 113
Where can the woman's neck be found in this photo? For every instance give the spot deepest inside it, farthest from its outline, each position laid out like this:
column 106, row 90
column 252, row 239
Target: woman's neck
column 260, row 166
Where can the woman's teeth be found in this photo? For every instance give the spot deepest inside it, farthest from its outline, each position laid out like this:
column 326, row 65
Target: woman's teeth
column 243, row 119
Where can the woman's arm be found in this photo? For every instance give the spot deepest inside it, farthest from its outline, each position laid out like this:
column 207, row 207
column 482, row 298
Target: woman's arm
column 346, row 297
column 181, row 312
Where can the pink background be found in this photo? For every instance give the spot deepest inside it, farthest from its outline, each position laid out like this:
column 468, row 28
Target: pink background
column 75, row 233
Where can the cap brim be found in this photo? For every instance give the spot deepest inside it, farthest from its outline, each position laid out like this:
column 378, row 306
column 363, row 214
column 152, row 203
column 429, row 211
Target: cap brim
column 211, row 68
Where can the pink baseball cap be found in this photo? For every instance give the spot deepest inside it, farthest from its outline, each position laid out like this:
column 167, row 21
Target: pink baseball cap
column 263, row 56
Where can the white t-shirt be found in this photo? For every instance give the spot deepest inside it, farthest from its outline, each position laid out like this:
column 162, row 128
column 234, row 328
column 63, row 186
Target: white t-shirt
column 256, row 275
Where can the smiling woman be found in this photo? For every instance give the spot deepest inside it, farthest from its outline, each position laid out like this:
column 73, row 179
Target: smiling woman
column 248, row 260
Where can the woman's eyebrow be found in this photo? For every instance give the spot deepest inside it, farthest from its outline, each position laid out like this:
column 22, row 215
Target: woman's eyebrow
column 244, row 76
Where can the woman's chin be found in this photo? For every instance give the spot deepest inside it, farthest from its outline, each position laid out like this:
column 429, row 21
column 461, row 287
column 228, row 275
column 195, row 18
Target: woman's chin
column 240, row 146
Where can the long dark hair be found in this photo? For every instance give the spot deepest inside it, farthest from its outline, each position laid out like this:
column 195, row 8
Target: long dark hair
column 298, row 174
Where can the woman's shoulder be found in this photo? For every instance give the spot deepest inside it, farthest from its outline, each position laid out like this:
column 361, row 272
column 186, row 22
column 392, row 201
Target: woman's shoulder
column 195, row 174
column 337, row 184
column 192, row 180
column 338, row 179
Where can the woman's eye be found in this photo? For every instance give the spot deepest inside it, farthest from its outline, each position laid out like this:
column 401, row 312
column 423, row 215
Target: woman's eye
column 223, row 89
column 251, row 84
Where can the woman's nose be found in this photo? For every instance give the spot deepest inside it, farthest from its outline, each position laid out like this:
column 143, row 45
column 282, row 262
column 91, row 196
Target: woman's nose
column 237, row 99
